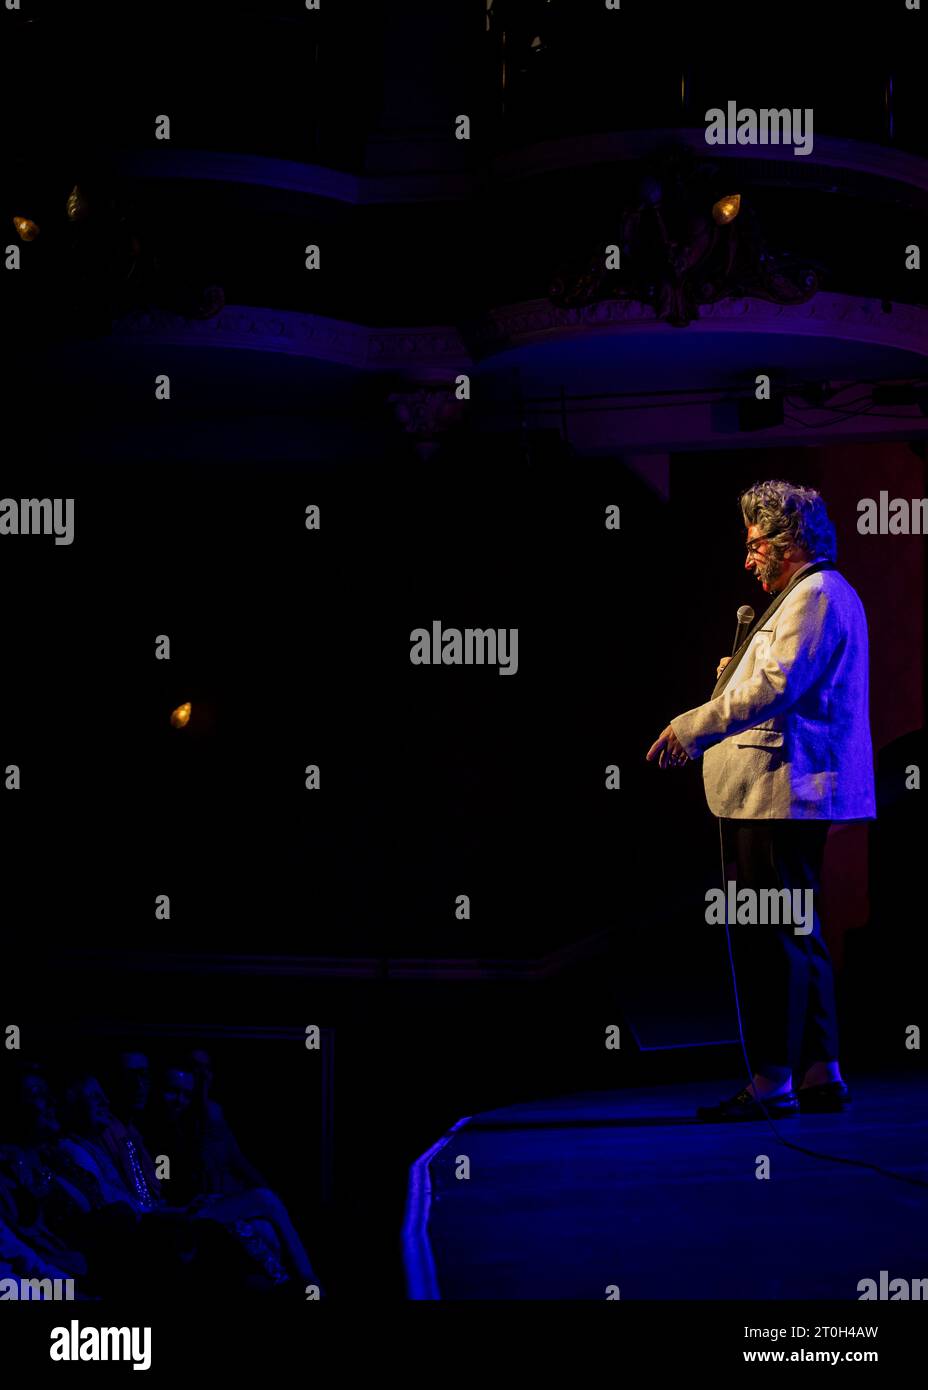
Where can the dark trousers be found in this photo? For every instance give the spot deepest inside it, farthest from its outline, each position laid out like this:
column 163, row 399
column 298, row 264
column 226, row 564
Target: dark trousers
column 785, row 981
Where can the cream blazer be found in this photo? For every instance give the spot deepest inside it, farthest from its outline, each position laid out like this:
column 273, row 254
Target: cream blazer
column 789, row 736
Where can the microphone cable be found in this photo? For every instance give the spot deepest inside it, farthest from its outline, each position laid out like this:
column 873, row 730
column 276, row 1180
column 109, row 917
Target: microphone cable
column 788, row 1143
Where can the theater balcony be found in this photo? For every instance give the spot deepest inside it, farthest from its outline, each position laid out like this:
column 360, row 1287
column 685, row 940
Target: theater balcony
column 604, row 278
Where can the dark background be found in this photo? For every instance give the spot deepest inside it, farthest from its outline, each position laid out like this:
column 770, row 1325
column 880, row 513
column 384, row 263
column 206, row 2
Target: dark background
column 290, row 906
column 337, row 907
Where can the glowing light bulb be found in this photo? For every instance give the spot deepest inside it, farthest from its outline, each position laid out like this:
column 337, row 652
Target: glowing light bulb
column 77, row 205
column 28, row 231
column 180, row 717
column 727, row 208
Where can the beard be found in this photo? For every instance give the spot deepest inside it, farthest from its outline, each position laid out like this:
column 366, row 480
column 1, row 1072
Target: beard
column 768, row 571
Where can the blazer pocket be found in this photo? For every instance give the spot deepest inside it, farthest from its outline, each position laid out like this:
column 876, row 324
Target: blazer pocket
column 760, row 738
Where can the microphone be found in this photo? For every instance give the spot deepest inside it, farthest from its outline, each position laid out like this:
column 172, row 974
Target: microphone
column 745, row 619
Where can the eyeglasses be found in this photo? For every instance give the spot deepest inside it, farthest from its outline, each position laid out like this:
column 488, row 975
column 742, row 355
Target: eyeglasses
column 753, row 547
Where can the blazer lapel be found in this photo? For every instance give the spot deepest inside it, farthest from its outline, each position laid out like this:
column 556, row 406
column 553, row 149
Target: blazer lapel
column 760, row 622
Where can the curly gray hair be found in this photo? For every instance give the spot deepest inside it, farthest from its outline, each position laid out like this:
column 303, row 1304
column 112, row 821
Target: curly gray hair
column 790, row 515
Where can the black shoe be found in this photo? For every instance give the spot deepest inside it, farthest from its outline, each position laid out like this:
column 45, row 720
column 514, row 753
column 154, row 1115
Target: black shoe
column 744, row 1106
column 827, row 1099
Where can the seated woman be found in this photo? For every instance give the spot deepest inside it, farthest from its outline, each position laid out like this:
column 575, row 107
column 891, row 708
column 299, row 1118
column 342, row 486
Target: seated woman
column 103, row 1157
column 223, row 1166
column 178, row 1125
column 111, row 1163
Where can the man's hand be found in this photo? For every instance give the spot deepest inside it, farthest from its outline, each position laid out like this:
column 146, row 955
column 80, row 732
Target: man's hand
column 721, row 666
column 668, row 750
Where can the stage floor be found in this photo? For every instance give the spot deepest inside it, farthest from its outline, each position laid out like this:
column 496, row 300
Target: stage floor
column 569, row 1196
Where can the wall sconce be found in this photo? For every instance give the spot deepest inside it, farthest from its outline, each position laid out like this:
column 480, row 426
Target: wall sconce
column 180, row 717
column 28, row 231
column 727, row 208
column 77, row 205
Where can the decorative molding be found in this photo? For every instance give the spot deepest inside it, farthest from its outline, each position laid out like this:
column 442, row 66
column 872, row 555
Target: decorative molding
column 303, row 335
column 310, row 180
column 440, row 352
column 883, row 162
column 435, row 348
column 535, row 320
column 826, row 315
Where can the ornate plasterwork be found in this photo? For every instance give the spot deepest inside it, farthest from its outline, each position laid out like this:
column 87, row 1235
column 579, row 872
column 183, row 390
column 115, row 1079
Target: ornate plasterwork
column 827, row 315
column 443, row 351
column 301, row 335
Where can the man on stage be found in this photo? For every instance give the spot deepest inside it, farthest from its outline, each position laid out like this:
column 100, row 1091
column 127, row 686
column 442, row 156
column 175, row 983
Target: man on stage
column 786, row 748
